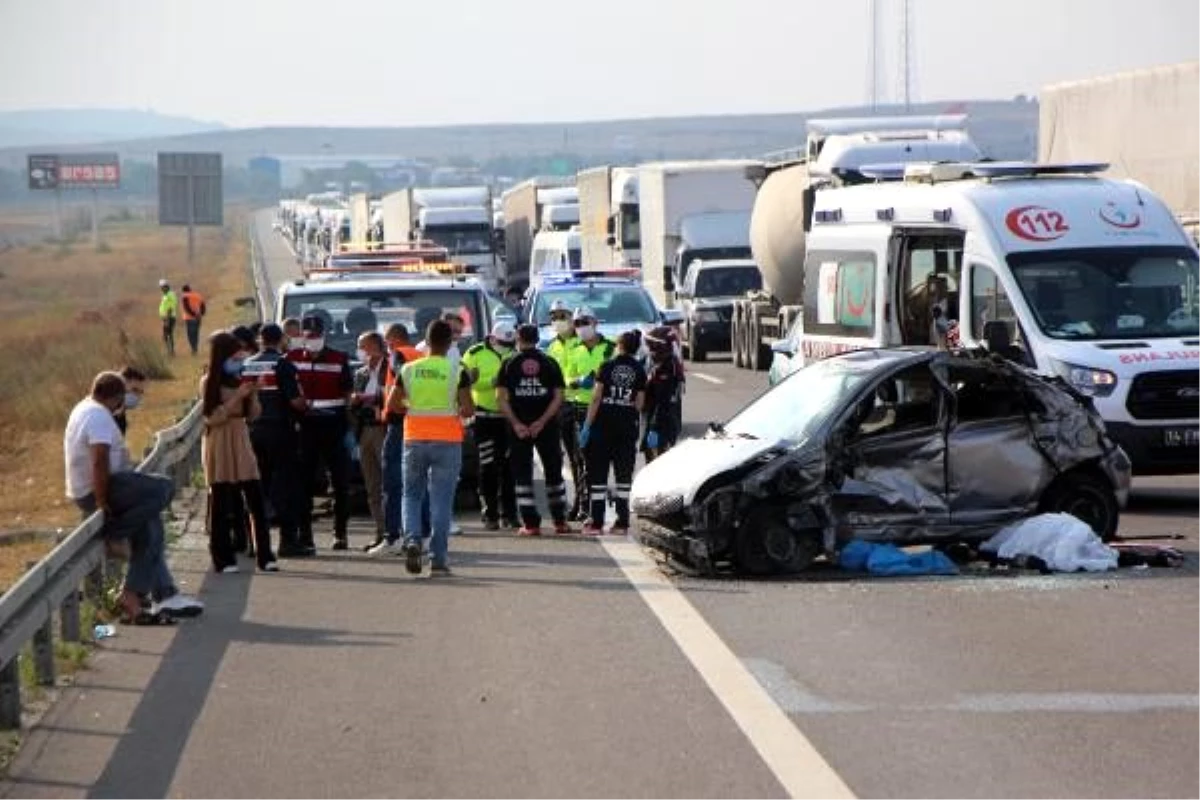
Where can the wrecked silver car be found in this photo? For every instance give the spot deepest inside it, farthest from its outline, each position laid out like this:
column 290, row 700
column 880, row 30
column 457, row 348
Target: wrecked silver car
column 901, row 446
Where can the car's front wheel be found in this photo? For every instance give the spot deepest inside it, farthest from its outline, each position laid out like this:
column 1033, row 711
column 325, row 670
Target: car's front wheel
column 1085, row 496
column 765, row 545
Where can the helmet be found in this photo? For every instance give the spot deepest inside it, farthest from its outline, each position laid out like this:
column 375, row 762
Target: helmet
column 559, row 307
column 584, row 312
column 504, row 332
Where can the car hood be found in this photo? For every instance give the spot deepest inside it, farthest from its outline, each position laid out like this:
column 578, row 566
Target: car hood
column 675, row 477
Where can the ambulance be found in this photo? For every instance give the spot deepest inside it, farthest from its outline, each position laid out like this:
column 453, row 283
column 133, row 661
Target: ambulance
column 1050, row 265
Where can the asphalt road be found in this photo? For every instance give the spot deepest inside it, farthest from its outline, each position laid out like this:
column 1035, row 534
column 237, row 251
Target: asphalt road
column 565, row 667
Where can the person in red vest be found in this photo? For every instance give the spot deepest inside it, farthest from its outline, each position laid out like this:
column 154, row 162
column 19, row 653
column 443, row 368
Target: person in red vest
column 193, row 309
column 326, row 383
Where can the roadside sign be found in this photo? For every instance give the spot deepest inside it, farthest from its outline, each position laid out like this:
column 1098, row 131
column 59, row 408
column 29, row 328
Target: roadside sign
column 189, row 189
column 89, row 171
column 43, row 172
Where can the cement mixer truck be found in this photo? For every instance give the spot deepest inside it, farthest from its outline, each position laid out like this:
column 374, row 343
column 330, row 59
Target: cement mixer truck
column 834, row 153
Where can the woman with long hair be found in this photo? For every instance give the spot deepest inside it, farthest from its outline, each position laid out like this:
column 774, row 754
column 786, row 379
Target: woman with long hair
column 230, row 468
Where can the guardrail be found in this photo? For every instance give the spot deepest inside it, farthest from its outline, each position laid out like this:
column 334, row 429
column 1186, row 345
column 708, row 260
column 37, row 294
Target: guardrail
column 75, row 568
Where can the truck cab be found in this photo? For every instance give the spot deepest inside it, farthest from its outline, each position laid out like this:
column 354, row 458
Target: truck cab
column 706, row 299
column 555, row 251
column 1065, row 273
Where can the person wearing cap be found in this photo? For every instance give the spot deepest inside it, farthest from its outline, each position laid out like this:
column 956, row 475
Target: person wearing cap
column 194, row 309
column 609, row 436
column 168, row 310
column 483, row 362
column 530, row 393
column 559, row 349
column 326, row 382
column 584, row 360
column 275, row 434
column 664, row 393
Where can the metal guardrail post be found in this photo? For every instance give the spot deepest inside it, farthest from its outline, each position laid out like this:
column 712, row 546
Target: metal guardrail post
column 10, row 696
column 43, row 646
column 68, row 615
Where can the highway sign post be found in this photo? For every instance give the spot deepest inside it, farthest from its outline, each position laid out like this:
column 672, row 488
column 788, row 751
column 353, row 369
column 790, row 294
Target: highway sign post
column 190, row 193
column 60, row 171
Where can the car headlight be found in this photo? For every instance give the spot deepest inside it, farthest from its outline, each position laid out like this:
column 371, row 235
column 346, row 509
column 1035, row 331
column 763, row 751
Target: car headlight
column 707, row 315
column 1087, row 380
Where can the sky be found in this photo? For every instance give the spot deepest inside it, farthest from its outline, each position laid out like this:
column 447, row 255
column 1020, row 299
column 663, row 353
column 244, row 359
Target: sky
column 248, row 63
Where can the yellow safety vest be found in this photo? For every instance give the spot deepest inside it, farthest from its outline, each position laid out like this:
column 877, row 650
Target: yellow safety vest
column 581, row 362
column 168, row 306
column 431, row 389
column 489, row 362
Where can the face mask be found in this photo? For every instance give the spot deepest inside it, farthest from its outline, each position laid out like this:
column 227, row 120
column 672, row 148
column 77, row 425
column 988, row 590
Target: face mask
column 314, row 345
column 132, row 400
column 563, row 327
column 361, row 355
column 233, row 367
column 586, row 331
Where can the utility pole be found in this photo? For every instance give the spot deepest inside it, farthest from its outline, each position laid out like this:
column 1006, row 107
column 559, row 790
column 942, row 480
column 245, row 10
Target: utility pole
column 907, row 53
column 874, row 62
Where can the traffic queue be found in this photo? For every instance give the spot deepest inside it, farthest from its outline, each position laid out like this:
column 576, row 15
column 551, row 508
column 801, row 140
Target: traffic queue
column 584, row 399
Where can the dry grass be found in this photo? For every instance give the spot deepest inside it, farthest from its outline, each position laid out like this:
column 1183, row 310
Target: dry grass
column 70, row 312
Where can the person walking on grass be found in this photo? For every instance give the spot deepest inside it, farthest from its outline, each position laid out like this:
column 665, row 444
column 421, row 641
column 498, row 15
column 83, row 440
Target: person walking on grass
column 437, row 395
column 168, row 310
column 100, row 477
column 230, row 468
column 193, row 307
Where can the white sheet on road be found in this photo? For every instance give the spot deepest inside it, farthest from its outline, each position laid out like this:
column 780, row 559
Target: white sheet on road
column 1064, row 542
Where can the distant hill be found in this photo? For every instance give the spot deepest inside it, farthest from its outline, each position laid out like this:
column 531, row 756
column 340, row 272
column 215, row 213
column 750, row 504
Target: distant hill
column 1005, row 129
column 86, row 126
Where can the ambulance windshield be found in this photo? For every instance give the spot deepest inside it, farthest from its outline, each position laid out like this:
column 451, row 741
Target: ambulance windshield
column 1111, row 292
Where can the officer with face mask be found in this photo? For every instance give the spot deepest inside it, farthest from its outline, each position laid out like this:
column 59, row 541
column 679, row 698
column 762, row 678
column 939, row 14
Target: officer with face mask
column 591, row 351
column 326, row 383
column 497, row 491
column 560, row 350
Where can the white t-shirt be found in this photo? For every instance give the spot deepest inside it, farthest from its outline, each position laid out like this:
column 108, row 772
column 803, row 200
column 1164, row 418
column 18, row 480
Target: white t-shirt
column 453, row 355
column 90, row 423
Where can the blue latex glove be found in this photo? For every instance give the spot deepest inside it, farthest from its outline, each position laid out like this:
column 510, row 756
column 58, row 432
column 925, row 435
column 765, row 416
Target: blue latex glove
column 587, row 382
column 652, row 440
column 584, row 434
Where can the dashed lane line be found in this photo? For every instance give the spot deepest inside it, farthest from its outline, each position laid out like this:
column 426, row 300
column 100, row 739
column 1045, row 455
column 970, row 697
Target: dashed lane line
column 787, row 752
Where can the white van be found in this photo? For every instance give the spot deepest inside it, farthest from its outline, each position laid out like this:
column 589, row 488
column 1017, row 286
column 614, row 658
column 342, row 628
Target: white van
column 1074, row 275
column 556, row 251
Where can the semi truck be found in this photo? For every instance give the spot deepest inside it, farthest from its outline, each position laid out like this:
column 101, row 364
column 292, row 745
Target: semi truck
column 459, row 219
column 833, row 155
column 689, row 210
column 608, row 218
column 523, row 207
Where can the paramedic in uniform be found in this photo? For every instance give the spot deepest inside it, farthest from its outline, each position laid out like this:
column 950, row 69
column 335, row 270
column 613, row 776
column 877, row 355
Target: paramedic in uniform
column 609, row 436
column 326, row 382
column 483, row 363
column 583, row 362
column 531, row 394
column 275, row 434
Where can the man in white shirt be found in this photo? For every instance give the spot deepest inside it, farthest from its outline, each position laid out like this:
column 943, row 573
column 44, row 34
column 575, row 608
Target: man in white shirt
column 100, row 476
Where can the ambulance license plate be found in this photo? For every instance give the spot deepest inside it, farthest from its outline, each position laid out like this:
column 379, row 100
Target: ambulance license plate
column 1181, row 437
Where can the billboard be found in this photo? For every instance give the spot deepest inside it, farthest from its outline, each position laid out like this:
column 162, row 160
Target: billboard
column 74, row 171
column 189, row 189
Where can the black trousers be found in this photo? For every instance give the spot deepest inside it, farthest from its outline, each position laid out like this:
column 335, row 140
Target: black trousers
column 323, row 442
column 547, row 444
column 618, row 450
column 497, row 494
column 193, row 334
column 168, row 330
column 570, row 418
column 225, row 506
column 277, row 448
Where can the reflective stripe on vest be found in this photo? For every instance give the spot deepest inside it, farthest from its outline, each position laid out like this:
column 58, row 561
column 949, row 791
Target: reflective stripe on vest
column 320, row 379
column 431, row 387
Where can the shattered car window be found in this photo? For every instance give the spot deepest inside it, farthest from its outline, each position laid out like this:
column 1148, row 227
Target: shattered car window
column 797, row 407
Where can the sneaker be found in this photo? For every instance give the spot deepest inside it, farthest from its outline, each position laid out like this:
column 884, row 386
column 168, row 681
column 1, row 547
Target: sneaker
column 618, row 530
column 232, row 569
column 412, row 558
column 455, row 529
column 270, row 566
column 562, row 528
column 491, row 525
column 369, row 546
column 439, row 571
column 340, row 543
column 386, row 548
column 526, row 530
column 592, row 530
column 178, row 605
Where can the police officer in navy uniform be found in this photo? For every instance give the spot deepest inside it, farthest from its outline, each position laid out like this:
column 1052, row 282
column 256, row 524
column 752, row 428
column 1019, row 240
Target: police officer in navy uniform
column 326, row 381
column 275, row 434
column 530, row 391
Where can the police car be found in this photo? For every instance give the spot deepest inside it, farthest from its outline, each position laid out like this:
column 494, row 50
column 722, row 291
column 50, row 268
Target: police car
column 619, row 301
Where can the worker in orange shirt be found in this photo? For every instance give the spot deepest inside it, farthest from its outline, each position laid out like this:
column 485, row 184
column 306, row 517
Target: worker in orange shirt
column 191, row 305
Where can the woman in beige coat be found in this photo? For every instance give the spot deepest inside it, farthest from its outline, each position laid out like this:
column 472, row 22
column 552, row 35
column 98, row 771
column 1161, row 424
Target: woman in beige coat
column 230, row 468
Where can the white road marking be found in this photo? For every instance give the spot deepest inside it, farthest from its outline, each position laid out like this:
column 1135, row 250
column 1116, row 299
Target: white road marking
column 787, row 752
column 710, row 378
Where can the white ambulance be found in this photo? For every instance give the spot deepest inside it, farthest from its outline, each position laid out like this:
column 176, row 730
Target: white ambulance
column 1069, row 273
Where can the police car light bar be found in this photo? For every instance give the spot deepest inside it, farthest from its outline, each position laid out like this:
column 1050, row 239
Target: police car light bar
column 570, row 276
